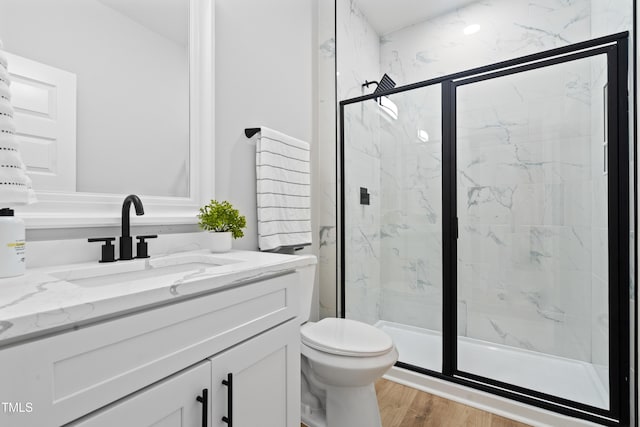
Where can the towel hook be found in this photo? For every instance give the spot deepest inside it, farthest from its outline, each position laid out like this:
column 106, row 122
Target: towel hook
column 249, row 132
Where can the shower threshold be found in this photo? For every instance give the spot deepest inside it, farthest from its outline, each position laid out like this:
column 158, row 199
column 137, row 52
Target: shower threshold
column 571, row 379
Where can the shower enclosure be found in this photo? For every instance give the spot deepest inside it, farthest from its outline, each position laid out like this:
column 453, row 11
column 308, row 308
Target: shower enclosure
column 484, row 218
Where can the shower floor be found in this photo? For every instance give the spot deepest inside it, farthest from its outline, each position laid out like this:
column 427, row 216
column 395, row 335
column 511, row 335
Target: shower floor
column 570, row 379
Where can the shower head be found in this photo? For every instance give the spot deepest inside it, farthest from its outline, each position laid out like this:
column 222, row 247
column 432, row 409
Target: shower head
column 385, row 83
column 385, row 104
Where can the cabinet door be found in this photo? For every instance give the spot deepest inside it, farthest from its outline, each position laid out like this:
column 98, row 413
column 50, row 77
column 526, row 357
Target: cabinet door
column 261, row 381
column 169, row 403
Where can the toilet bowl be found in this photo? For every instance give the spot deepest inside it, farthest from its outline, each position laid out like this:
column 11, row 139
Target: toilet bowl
column 341, row 359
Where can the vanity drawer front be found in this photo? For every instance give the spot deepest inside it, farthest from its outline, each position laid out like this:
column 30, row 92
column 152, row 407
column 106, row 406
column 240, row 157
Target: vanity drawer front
column 74, row 373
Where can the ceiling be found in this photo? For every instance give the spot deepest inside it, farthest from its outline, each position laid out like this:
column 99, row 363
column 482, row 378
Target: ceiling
column 386, row 16
column 169, row 18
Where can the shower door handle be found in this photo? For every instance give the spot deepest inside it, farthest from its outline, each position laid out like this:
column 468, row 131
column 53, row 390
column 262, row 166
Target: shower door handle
column 457, row 229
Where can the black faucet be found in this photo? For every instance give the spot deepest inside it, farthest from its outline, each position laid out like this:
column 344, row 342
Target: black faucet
column 126, row 243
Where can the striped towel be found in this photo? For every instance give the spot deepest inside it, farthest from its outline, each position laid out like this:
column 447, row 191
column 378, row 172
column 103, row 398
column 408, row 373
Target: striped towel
column 284, row 191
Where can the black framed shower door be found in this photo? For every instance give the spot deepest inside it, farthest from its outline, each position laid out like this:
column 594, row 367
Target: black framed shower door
column 463, row 96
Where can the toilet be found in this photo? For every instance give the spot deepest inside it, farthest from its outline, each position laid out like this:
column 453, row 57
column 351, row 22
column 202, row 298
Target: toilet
column 340, row 361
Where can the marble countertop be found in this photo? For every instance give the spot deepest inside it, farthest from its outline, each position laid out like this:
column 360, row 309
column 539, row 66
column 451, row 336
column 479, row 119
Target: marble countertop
column 53, row 299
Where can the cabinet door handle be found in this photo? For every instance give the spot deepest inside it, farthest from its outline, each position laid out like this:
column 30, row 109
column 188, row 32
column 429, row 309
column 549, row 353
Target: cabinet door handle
column 204, row 399
column 229, row 383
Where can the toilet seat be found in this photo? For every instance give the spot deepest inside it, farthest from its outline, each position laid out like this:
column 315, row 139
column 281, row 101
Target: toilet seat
column 346, row 337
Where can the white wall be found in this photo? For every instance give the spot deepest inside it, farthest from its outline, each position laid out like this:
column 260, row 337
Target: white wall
column 264, row 76
column 132, row 88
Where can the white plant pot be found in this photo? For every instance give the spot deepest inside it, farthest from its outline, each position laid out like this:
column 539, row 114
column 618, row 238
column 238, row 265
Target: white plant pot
column 220, row 241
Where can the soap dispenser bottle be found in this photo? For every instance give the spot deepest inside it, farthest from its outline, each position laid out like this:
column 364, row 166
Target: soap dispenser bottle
column 12, row 236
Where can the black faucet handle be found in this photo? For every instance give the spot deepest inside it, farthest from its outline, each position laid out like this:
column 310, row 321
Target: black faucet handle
column 142, row 248
column 108, row 249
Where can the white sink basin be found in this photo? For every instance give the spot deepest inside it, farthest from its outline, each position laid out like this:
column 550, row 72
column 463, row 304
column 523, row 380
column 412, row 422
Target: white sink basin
column 120, row 272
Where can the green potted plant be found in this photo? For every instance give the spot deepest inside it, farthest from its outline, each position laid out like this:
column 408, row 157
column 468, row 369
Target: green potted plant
column 223, row 222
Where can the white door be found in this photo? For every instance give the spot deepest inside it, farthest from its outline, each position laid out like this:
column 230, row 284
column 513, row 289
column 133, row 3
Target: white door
column 44, row 99
column 264, row 373
column 170, row 403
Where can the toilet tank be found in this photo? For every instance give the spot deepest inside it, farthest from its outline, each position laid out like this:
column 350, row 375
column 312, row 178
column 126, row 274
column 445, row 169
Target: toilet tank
column 306, row 280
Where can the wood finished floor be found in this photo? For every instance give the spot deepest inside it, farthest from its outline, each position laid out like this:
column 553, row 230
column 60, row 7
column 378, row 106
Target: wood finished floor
column 402, row 406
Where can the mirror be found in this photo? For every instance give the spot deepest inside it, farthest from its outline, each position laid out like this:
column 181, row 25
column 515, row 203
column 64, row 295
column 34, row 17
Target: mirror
column 101, row 93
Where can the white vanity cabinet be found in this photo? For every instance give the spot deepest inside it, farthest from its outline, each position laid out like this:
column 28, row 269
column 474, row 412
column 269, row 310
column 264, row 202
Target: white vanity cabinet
column 260, row 384
column 147, row 367
column 253, row 384
column 170, row 403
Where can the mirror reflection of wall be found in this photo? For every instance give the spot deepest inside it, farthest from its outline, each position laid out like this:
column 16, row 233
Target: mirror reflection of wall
column 130, row 64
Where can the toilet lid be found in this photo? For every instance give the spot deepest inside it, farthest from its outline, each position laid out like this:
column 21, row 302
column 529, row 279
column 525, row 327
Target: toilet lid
column 346, row 337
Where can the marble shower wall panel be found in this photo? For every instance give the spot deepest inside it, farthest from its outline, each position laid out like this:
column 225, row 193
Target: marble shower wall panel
column 508, row 29
column 359, row 51
column 524, row 178
column 610, row 17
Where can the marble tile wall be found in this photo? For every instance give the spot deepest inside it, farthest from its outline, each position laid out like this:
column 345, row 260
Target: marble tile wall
column 508, row 29
column 359, row 60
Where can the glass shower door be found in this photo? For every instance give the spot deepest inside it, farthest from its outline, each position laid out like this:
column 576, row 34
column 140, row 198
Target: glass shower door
column 392, row 177
column 532, row 181
column 485, row 226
